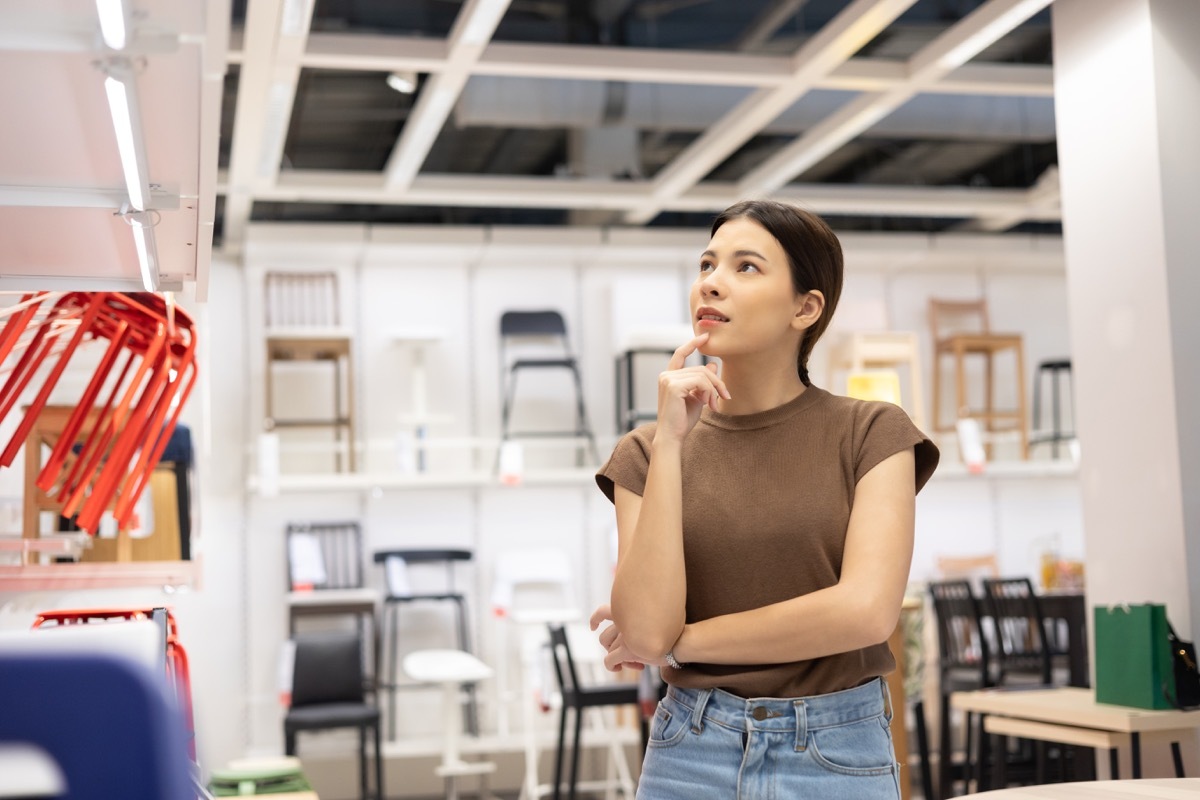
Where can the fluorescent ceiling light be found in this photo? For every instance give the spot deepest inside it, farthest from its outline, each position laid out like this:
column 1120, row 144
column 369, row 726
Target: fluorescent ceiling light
column 403, row 82
column 113, row 27
column 121, row 107
column 143, row 241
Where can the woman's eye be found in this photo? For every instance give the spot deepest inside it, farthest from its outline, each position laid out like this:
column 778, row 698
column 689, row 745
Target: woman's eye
column 705, row 266
column 746, row 267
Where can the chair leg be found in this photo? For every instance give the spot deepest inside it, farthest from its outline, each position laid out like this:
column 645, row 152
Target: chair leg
column 945, row 787
column 471, row 709
column 923, row 750
column 558, row 756
column 362, row 763
column 289, row 743
column 506, row 410
column 581, row 420
column 1178, row 758
column 575, row 751
column 393, row 613
column 379, row 762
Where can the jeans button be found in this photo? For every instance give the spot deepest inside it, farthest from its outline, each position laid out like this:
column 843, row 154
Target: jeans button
column 760, row 713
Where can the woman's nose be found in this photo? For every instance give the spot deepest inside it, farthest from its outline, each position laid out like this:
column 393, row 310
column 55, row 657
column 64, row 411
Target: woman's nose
column 711, row 285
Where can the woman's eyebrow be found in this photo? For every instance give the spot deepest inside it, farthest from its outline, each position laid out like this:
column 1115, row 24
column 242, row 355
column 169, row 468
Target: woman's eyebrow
column 736, row 254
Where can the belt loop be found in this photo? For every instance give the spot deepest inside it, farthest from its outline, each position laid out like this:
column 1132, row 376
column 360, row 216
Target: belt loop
column 698, row 711
column 800, row 710
column 887, row 699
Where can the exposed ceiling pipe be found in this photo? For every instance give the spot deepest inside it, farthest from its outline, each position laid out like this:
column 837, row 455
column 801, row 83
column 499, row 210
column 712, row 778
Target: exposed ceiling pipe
column 575, row 104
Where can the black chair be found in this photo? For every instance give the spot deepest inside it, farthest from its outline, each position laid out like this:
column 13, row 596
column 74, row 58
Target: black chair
column 328, row 692
column 1022, row 653
column 1056, row 369
column 399, row 594
column 964, row 664
column 577, row 698
column 543, row 325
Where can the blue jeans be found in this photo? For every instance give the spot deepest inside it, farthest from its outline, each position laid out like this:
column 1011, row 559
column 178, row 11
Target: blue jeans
column 706, row 743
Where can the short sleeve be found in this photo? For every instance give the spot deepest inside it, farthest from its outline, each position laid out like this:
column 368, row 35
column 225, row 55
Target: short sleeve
column 881, row 431
column 628, row 464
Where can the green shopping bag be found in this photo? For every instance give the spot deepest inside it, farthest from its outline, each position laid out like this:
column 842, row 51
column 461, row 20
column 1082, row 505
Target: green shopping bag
column 1133, row 656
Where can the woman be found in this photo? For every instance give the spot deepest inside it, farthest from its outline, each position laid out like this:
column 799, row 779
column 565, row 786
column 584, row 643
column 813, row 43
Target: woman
column 765, row 534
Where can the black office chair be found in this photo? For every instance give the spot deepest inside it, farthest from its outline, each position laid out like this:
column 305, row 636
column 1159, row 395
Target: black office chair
column 576, row 698
column 545, row 325
column 964, row 664
column 400, row 594
column 328, row 692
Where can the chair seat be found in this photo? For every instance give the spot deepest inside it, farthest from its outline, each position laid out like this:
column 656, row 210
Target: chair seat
column 458, row 597
column 331, row 715
column 521, row 363
column 614, row 695
column 978, row 342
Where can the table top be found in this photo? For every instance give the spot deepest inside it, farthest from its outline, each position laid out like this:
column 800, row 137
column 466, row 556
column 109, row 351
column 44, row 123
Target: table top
column 1071, row 706
column 333, row 597
column 1165, row 789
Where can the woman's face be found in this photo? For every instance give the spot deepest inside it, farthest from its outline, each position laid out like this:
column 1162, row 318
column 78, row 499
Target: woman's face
column 743, row 296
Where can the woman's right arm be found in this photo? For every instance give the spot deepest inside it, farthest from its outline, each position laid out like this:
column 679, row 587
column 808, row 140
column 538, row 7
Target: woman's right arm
column 650, row 586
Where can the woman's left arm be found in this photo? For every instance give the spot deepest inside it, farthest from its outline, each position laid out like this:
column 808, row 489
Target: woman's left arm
column 860, row 610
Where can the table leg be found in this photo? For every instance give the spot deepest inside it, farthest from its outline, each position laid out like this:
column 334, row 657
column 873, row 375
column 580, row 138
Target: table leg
column 1114, row 764
column 1175, row 754
column 1001, row 762
column 1135, row 748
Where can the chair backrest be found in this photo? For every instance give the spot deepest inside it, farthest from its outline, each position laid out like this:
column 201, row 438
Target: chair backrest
column 877, row 384
column 535, row 583
column 301, row 300
column 324, row 555
column 564, row 662
column 1020, row 627
column 961, row 640
column 532, row 323
column 950, row 317
column 328, row 668
column 396, row 563
column 533, row 333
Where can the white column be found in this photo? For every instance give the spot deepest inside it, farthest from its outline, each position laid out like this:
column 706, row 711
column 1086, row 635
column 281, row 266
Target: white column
column 1127, row 96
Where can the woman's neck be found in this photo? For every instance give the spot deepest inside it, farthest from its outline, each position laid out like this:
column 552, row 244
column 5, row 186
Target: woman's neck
column 757, row 387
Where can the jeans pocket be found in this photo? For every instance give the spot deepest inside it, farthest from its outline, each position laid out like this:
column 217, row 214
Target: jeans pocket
column 667, row 728
column 857, row 748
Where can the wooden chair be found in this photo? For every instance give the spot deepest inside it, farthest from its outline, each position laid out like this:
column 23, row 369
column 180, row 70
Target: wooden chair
column 960, row 328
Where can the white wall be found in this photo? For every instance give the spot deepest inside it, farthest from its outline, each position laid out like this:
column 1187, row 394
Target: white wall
column 458, row 281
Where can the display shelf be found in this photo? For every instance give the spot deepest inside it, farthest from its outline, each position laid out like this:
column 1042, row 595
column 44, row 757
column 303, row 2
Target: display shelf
column 1004, row 470
column 92, row 575
column 367, row 481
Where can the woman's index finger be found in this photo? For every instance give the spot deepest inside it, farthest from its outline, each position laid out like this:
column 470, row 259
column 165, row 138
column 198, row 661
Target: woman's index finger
column 680, row 355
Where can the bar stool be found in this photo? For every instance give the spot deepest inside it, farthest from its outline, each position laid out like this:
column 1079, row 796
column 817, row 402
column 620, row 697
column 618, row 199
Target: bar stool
column 1056, row 368
column 868, row 350
column 400, row 593
column 960, row 328
column 451, row 669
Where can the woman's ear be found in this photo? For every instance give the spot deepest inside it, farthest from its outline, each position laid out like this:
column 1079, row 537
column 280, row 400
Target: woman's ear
column 809, row 307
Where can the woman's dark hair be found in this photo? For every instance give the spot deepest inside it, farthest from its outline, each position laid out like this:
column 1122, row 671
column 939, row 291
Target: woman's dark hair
column 814, row 255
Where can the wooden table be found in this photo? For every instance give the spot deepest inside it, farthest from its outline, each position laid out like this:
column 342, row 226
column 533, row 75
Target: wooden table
column 1166, row 789
column 1076, row 708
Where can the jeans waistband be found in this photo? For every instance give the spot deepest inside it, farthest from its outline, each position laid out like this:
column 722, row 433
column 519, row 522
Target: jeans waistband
column 778, row 714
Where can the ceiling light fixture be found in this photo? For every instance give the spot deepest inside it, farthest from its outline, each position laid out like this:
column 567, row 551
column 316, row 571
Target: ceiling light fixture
column 143, row 242
column 122, row 107
column 403, row 82
column 114, row 25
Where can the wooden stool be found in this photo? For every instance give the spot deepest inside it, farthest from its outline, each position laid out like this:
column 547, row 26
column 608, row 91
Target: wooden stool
column 982, row 342
column 864, row 350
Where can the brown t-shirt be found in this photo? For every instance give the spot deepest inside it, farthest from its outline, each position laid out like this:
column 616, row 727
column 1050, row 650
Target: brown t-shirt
column 766, row 504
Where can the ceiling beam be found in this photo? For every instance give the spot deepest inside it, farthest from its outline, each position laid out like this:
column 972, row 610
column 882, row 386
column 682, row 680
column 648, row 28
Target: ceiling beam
column 767, row 23
column 250, row 116
column 483, row 191
column 948, row 52
column 1043, row 198
column 473, row 29
column 380, row 53
column 83, row 197
column 830, row 47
